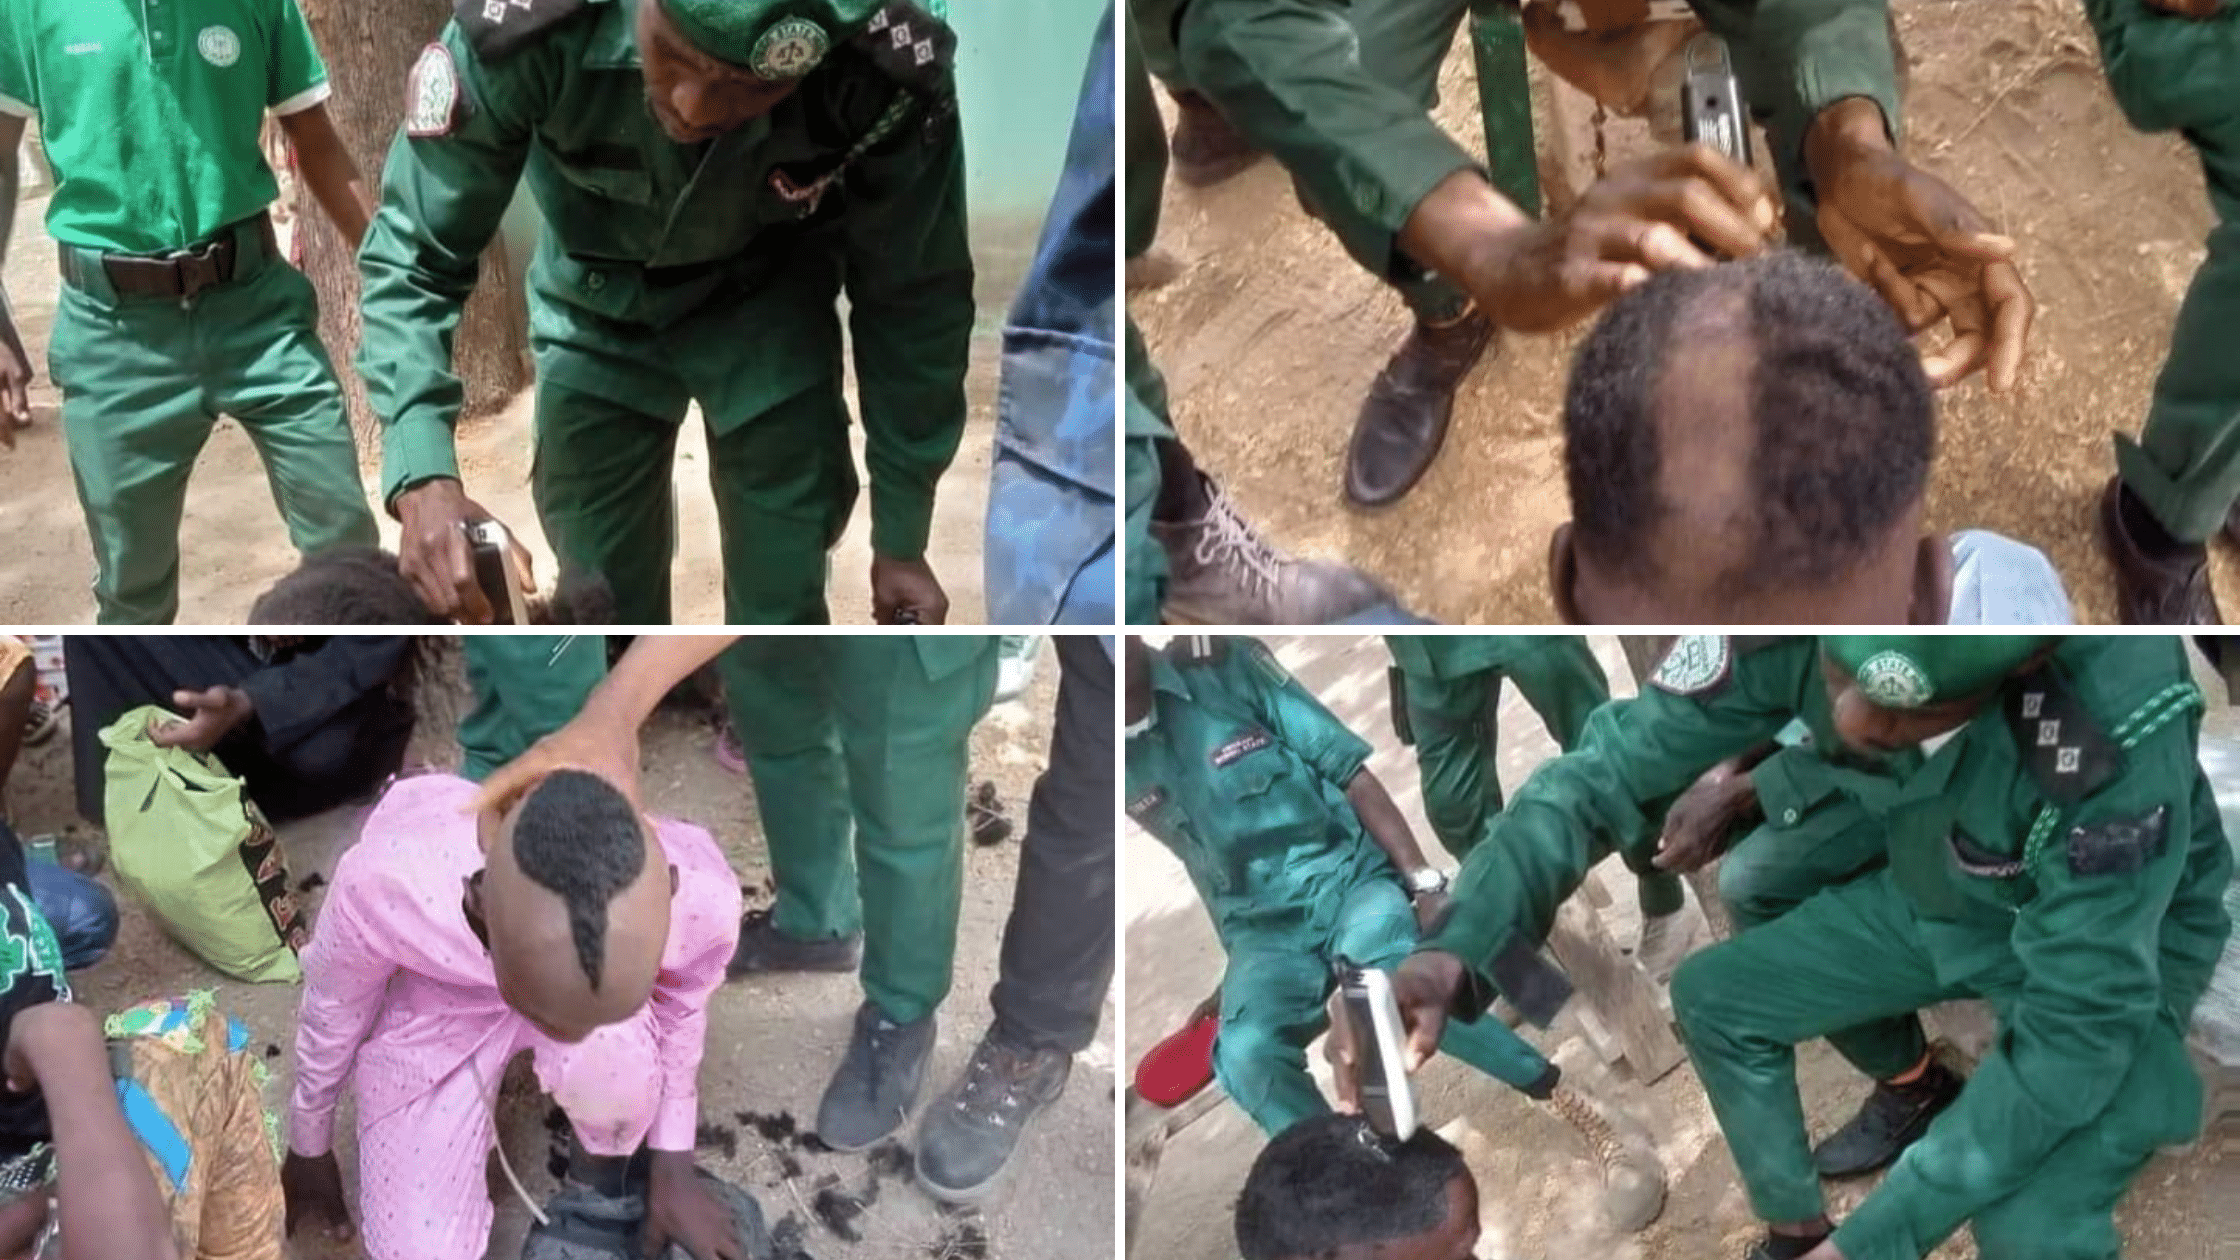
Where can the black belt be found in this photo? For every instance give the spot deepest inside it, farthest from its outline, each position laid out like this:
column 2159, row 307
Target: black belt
column 184, row 273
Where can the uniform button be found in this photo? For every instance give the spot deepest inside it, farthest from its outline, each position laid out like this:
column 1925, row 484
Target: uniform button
column 595, row 281
column 1789, row 817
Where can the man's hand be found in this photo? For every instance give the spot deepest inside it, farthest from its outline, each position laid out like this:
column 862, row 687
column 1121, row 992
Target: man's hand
column 434, row 554
column 1645, row 216
column 1423, row 988
column 900, row 587
column 15, row 393
column 591, row 742
column 311, row 1186
column 1920, row 244
column 1701, row 824
column 680, row 1210
column 212, row 715
column 1430, row 908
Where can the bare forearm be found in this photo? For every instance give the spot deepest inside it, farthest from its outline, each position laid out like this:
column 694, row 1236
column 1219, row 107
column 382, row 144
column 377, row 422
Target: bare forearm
column 330, row 173
column 1381, row 818
column 109, row 1204
column 654, row 664
column 1461, row 227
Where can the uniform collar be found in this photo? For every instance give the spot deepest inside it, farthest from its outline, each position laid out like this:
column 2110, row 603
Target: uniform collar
column 1165, row 677
column 614, row 42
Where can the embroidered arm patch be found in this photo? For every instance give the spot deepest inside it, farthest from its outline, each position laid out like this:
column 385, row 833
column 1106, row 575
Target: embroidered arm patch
column 2119, row 846
column 1697, row 665
column 500, row 28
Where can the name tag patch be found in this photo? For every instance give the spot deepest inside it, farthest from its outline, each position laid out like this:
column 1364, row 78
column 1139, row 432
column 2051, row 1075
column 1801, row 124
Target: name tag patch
column 1141, row 807
column 1249, row 742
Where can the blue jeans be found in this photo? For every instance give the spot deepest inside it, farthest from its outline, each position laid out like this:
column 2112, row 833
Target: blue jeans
column 81, row 912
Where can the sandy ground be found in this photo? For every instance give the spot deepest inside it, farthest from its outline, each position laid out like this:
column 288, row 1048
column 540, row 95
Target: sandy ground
column 772, row 1043
column 1537, row 1185
column 1271, row 335
column 235, row 545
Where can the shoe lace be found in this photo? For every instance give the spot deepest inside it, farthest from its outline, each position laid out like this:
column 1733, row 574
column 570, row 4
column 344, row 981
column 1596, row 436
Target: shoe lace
column 991, row 1084
column 1227, row 540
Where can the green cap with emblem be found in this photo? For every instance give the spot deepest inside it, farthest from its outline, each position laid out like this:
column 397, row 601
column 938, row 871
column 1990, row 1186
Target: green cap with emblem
column 1910, row 671
column 776, row 39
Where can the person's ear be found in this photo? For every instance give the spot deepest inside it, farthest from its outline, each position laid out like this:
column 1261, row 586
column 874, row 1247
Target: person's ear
column 1932, row 582
column 1563, row 570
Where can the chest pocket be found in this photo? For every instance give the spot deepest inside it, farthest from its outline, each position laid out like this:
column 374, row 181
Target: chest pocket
column 1987, row 883
column 627, row 184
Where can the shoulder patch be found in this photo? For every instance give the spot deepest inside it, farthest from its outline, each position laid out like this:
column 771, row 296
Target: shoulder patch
column 2062, row 746
column 1696, row 665
column 500, row 28
column 431, row 95
column 2119, row 846
column 913, row 45
column 1264, row 660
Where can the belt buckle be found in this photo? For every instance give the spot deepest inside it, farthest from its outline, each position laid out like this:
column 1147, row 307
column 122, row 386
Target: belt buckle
column 197, row 267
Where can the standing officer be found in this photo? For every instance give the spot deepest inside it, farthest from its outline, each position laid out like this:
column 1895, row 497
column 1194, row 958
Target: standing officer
column 2061, row 856
column 1730, row 736
column 2174, row 65
column 1447, row 702
column 176, row 305
column 714, row 175
column 1302, row 858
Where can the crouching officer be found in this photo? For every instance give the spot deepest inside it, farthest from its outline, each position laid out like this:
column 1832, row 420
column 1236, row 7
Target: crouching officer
column 1732, row 736
column 2061, row 855
column 714, row 175
column 1302, row 858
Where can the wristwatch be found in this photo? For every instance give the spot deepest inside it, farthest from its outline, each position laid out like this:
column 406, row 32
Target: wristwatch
column 1426, row 881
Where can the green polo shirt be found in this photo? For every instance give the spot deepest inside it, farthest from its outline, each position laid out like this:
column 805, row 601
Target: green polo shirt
column 1243, row 775
column 150, row 110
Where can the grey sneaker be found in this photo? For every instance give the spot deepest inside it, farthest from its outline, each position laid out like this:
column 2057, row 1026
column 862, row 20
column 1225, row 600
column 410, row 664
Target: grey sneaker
column 969, row 1133
column 879, row 1080
column 1221, row 572
column 762, row 948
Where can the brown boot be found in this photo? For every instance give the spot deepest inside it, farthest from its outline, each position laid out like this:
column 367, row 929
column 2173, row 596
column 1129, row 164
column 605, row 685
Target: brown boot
column 2155, row 588
column 1632, row 1179
column 1403, row 422
column 1206, row 148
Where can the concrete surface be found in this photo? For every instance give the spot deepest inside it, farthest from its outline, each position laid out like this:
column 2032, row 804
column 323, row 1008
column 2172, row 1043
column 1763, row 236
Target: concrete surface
column 771, row 1044
column 1536, row 1184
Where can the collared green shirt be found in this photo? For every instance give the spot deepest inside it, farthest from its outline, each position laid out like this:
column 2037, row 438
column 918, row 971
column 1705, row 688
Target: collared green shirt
column 1449, row 656
column 675, row 272
column 150, row 110
column 1243, row 775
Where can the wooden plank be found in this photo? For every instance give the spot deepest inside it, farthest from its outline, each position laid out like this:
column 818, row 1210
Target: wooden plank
column 1617, row 990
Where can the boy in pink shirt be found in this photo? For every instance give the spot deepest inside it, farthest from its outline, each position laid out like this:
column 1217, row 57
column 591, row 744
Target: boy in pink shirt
column 568, row 925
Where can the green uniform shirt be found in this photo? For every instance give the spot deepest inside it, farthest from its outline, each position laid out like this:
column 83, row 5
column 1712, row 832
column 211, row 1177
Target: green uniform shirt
column 1243, row 775
column 681, row 270
column 2065, row 853
column 150, row 110
column 1714, row 697
column 1448, row 656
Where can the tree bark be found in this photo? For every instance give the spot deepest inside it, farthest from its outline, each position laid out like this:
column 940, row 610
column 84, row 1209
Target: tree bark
column 370, row 46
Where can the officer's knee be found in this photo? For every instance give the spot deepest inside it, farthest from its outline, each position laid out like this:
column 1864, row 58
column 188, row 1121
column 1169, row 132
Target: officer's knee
column 1696, row 996
column 1250, row 1058
column 1746, row 892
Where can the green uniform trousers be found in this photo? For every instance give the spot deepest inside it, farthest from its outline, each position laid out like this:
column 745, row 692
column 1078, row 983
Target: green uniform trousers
column 526, row 686
column 784, row 483
column 1854, row 952
column 856, row 734
column 1399, row 43
column 2174, row 74
column 1454, row 721
column 1272, row 998
column 144, row 381
column 1775, row 868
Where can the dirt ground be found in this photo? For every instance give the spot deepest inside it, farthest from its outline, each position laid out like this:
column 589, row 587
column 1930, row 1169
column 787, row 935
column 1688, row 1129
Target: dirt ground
column 1537, row 1186
column 1271, row 335
column 771, row 1043
column 234, row 545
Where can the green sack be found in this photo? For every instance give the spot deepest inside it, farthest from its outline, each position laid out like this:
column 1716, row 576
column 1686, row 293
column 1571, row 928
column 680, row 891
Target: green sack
column 187, row 842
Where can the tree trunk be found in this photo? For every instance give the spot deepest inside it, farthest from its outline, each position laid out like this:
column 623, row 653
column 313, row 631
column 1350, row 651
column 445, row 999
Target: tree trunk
column 370, row 46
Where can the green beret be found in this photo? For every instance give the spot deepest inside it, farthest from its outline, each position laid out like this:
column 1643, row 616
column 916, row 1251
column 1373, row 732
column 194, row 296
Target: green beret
column 1910, row 671
column 777, row 39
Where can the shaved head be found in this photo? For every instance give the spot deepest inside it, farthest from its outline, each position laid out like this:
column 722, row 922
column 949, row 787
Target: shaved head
column 576, row 904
